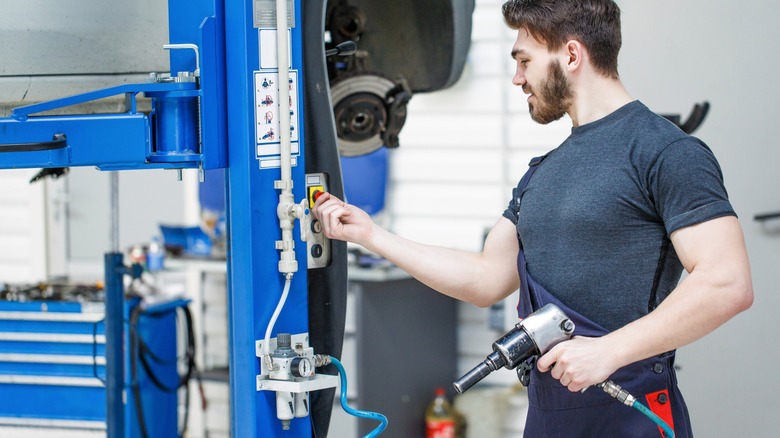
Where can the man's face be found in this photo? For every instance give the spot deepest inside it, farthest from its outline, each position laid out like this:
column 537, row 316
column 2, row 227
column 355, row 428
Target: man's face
column 542, row 78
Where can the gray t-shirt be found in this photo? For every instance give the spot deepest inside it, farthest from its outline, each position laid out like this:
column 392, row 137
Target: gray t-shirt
column 596, row 217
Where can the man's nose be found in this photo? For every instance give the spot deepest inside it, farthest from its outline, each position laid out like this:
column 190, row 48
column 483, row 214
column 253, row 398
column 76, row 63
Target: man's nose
column 518, row 79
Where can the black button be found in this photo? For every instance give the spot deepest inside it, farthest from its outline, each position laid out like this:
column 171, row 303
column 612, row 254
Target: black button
column 662, row 399
column 658, row 368
column 316, row 251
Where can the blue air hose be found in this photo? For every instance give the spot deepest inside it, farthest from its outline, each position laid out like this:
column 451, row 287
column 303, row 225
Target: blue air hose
column 357, row 413
column 623, row 396
column 656, row 419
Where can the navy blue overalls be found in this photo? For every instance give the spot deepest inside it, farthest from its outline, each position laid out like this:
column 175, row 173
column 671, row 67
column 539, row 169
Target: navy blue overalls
column 556, row 412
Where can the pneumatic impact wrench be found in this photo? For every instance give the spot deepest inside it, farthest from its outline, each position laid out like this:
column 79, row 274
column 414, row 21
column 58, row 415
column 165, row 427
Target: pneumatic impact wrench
column 535, row 336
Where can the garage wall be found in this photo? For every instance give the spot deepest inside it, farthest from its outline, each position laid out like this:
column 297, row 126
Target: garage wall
column 22, row 228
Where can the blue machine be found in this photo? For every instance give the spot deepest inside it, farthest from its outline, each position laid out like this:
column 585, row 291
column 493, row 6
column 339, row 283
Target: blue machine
column 234, row 99
column 73, row 339
column 54, row 364
column 217, row 102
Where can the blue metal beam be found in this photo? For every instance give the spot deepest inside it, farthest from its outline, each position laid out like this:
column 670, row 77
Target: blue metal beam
column 105, row 141
column 254, row 282
column 167, row 138
column 115, row 365
column 23, row 112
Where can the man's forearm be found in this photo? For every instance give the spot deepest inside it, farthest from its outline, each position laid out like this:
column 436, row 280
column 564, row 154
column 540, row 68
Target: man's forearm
column 480, row 278
column 467, row 276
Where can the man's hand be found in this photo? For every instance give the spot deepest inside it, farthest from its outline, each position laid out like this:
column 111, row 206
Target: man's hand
column 342, row 221
column 579, row 362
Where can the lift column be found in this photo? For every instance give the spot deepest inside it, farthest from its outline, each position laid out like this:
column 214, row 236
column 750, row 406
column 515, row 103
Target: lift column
column 254, row 281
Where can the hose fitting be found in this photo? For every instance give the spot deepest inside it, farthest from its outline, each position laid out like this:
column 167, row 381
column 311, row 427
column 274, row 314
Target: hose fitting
column 321, row 360
column 615, row 391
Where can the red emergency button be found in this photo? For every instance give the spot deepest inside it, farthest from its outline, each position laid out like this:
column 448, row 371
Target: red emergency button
column 314, row 193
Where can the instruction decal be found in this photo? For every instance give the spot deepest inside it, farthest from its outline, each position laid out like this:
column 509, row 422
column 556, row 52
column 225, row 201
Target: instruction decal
column 267, row 128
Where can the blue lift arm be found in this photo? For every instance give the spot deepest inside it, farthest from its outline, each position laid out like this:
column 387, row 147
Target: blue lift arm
column 185, row 128
column 107, row 141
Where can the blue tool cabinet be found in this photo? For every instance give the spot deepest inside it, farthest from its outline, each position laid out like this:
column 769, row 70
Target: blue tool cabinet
column 51, row 364
column 52, row 367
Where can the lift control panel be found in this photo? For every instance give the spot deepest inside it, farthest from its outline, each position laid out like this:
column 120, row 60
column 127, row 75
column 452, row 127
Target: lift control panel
column 317, row 245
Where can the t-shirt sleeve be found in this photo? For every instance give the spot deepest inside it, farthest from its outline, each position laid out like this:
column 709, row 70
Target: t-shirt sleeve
column 686, row 184
column 512, row 210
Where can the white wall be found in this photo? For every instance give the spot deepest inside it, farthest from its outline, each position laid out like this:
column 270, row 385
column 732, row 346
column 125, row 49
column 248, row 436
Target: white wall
column 463, row 149
column 147, row 198
column 22, row 227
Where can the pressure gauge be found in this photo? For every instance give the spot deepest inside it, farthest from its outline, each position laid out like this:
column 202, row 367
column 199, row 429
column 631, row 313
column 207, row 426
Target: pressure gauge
column 301, row 367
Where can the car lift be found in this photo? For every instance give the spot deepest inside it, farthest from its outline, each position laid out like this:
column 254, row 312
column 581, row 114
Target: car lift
column 205, row 115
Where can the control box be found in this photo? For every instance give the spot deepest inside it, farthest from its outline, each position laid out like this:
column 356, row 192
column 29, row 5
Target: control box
column 317, row 245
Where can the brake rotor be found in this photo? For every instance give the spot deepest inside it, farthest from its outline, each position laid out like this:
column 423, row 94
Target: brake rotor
column 360, row 111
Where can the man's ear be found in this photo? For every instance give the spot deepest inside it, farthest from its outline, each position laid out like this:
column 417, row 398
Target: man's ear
column 574, row 52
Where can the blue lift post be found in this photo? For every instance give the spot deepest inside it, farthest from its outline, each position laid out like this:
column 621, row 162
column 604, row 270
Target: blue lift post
column 254, row 282
column 115, row 369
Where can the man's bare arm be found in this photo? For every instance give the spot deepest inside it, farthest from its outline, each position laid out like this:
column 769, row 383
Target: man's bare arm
column 481, row 278
column 717, row 288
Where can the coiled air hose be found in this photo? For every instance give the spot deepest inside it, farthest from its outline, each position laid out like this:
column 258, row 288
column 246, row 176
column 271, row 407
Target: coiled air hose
column 354, row 412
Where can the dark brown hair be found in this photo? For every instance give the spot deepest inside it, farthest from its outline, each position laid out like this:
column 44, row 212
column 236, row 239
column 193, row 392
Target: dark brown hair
column 594, row 23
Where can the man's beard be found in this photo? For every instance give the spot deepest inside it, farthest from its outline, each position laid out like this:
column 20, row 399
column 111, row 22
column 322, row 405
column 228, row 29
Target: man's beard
column 553, row 98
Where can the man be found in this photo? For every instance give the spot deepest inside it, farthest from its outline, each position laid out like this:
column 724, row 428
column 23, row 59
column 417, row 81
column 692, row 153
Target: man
column 603, row 229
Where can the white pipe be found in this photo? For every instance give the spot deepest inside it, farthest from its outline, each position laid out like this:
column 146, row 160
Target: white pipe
column 283, row 59
column 286, row 207
column 287, row 262
column 275, row 316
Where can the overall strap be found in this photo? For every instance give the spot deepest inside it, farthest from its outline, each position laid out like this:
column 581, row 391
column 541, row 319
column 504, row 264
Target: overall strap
column 521, row 186
column 532, row 166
